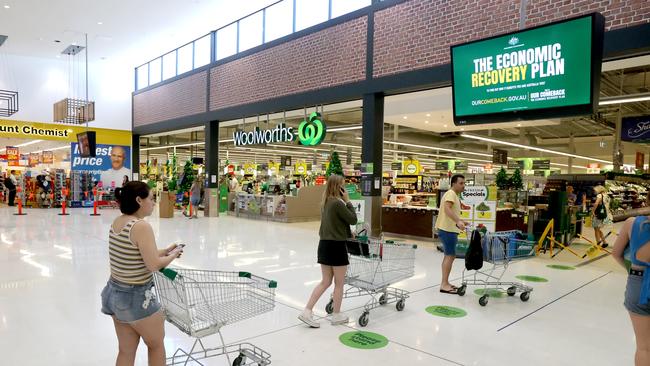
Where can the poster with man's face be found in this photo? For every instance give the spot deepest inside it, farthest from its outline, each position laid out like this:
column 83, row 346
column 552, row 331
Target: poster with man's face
column 110, row 165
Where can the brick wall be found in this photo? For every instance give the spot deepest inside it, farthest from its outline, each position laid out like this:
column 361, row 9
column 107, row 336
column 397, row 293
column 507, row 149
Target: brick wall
column 334, row 56
column 618, row 13
column 417, row 33
column 184, row 97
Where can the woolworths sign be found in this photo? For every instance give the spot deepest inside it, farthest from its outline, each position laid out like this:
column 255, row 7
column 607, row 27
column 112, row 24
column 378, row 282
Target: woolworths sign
column 310, row 132
column 541, row 70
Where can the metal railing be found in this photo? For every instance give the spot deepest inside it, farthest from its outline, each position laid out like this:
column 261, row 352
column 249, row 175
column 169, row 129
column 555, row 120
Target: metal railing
column 275, row 21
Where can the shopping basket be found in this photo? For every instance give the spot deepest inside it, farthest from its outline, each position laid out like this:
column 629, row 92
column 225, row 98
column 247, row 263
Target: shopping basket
column 200, row 302
column 376, row 264
column 499, row 249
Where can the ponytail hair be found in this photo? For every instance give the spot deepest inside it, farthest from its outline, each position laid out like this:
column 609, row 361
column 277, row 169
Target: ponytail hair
column 127, row 194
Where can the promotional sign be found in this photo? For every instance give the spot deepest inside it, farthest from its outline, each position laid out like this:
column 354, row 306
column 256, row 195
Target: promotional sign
column 499, row 156
column 411, row 167
column 636, row 129
column 640, row 157
column 250, row 168
column 13, row 156
column 479, row 206
column 48, row 157
column 33, row 159
column 547, row 71
column 541, row 164
column 395, row 166
column 109, row 166
column 285, row 161
column 301, row 168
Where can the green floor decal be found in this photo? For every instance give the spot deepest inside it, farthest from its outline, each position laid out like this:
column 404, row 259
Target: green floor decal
column 531, row 278
column 363, row 340
column 446, row 311
column 561, row 267
column 492, row 292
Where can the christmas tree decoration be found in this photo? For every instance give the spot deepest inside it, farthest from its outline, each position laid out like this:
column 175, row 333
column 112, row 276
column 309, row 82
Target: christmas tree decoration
column 335, row 166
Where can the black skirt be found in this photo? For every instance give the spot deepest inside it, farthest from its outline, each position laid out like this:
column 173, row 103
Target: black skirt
column 332, row 253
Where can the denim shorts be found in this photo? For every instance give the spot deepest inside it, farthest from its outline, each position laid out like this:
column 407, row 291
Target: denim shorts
column 449, row 241
column 129, row 303
column 195, row 201
column 632, row 292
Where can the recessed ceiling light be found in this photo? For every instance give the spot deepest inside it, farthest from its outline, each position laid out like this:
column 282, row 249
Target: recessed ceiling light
column 518, row 124
column 426, row 121
column 405, row 117
column 74, row 43
column 462, row 129
column 7, row 6
column 100, row 23
column 428, row 114
column 444, row 126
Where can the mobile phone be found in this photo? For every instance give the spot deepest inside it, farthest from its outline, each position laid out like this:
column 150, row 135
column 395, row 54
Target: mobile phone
column 178, row 248
column 342, row 191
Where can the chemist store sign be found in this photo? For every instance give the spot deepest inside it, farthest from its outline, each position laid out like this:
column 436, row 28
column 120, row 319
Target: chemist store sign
column 310, row 132
column 546, row 69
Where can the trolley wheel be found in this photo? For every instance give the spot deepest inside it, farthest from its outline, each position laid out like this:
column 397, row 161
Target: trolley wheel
column 400, row 305
column 483, row 300
column 461, row 290
column 382, row 299
column 512, row 291
column 525, row 296
column 238, row 361
column 364, row 318
column 329, row 308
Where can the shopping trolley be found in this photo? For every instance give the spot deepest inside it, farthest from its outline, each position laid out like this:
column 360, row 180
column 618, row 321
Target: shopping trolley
column 200, row 302
column 499, row 249
column 375, row 264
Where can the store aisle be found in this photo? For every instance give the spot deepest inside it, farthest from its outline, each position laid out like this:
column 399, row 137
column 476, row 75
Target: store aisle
column 54, row 267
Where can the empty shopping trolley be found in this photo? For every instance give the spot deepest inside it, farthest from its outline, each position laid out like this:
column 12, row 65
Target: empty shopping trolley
column 499, row 249
column 200, row 302
column 376, row 264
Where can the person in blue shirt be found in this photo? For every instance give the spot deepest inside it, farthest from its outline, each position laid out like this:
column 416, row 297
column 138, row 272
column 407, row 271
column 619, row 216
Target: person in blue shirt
column 633, row 239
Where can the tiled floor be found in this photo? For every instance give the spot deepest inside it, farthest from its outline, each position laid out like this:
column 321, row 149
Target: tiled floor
column 53, row 269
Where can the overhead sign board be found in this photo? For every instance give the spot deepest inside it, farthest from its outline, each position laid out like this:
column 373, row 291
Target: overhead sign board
column 547, row 71
column 636, row 129
column 499, row 156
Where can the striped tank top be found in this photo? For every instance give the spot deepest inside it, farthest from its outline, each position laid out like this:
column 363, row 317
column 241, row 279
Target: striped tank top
column 127, row 265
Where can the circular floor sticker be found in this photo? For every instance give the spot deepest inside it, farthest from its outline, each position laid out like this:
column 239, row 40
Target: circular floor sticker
column 363, row 340
column 531, row 278
column 561, row 267
column 492, row 292
column 446, row 311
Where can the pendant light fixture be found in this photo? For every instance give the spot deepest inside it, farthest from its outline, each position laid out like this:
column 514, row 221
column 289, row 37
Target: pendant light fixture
column 8, row 98
column 76, row 108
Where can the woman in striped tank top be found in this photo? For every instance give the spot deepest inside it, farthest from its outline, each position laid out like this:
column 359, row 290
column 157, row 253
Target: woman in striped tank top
column 128, row 296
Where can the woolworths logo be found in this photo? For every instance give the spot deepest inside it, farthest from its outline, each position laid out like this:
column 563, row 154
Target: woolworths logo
column 312, row 131
column 281, row 133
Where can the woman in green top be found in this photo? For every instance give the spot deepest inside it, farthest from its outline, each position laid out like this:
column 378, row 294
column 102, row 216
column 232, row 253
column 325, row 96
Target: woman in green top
column 337, row 215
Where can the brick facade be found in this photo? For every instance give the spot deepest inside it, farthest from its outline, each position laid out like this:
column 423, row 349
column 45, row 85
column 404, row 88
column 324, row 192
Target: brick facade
column 334, row 56
column 417, row 34
column 183, row 97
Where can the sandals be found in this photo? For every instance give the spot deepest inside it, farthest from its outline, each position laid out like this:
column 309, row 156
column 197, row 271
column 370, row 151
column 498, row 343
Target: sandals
column 453, row 291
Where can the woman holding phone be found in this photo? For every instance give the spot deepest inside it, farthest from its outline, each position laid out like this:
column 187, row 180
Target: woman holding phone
column 337, row 214
column 128, row 296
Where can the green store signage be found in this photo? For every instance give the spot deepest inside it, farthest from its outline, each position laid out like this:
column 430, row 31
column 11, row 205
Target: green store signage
column 509, row 77
column 446, row 311
column 311, row 132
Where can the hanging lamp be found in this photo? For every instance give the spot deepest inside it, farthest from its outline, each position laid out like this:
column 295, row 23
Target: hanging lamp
column 75, row 109
column 8, row 98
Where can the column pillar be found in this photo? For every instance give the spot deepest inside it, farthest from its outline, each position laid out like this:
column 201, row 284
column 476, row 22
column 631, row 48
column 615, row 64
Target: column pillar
column 211, row 198
column 135, row 158
column 572, row 150
column 372, row 150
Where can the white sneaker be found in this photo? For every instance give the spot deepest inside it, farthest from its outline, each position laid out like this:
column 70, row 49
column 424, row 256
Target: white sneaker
column 308, row 318
column 339, row 318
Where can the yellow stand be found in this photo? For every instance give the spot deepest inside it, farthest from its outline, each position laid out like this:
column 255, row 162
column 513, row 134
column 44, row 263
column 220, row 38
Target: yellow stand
column 548, row 234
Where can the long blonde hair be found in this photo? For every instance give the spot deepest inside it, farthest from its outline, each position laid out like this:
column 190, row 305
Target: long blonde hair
column 333, row 188
column 599, row 189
